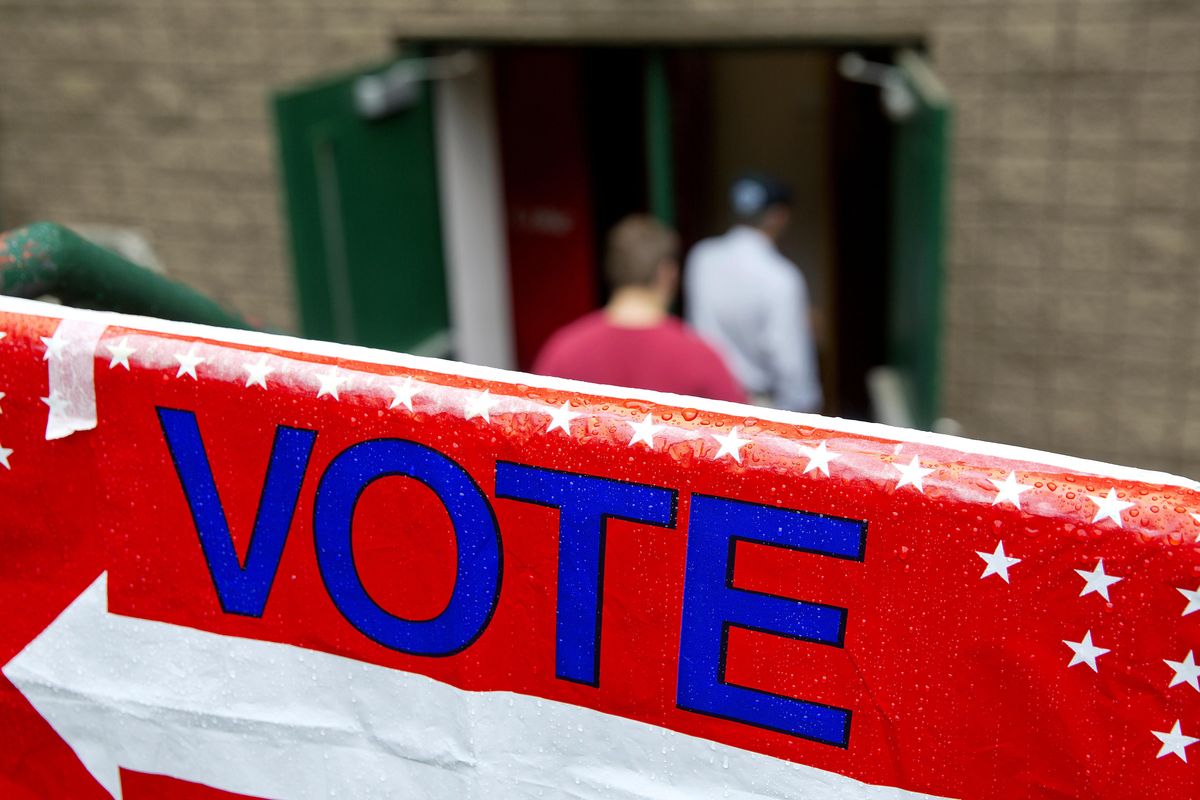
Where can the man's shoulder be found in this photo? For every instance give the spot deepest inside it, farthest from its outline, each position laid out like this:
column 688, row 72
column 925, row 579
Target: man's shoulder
column 705, row 368
column 685, row 337
column 782, row 272
column 704, row 248
column 565, row 343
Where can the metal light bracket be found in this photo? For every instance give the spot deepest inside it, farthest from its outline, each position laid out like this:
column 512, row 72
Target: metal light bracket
column 898, row 100
column 398, row 87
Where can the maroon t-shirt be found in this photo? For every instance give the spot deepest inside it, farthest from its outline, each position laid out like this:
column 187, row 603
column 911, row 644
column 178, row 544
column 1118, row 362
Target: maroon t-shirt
column 668, row 357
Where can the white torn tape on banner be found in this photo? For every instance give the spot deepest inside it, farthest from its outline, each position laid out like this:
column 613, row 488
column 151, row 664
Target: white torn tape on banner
column 70, row 356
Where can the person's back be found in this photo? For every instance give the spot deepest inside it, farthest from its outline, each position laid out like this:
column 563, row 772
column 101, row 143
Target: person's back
column 666, row 357
column 746, row 298
column 634, row 341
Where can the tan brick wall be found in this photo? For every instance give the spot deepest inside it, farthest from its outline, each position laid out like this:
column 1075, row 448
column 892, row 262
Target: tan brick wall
column 1074, row 273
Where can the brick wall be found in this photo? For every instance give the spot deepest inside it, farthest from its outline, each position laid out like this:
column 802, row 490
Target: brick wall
column 1074, row 272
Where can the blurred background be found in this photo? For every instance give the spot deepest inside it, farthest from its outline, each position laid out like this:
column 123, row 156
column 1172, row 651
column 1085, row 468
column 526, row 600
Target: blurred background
column 998, row 201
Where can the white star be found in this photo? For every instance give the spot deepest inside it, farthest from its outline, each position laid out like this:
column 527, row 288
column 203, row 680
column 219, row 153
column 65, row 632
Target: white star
column 1186, row 671
column 1008, row 490
column 1085, row 652
column 3, row 334
column 404, row 394
column 1109, row 506
column 1193, row 598
column 330, row 382
column 997, row 562
column 56, row 403
column 481, row 406
column 1195, row 516
column 818, row 458
column 54, row 346
column 188, row 362
column 912, row 474
column 731, row 444
column 1097, row 580
column 2, row 396
column 5, row 452
column 561, row 417
column 256, row 373
column 121, row 351
column 644, row 431
column 1175, row 742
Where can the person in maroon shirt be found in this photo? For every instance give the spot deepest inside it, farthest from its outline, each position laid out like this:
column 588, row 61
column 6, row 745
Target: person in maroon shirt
column 634, row 341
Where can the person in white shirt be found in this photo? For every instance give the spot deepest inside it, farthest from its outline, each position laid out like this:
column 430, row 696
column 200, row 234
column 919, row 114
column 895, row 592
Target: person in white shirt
column 751, row 302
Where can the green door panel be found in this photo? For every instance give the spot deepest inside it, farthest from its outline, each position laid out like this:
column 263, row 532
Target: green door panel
column 362, row 211
column 920, row 166
column 659, row 155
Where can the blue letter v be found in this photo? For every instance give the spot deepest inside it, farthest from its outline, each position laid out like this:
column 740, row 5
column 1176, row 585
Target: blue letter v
column 242, row 589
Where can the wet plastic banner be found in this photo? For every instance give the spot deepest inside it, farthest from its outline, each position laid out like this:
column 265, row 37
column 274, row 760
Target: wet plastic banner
column 239, row 563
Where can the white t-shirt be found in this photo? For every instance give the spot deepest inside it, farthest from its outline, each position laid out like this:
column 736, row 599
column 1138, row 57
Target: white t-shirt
column 750, row 302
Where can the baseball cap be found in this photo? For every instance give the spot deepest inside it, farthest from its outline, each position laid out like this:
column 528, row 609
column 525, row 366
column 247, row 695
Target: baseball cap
column 752, row 193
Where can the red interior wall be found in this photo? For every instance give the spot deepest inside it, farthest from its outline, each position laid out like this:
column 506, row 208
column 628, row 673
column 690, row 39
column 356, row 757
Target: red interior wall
column 539, row 106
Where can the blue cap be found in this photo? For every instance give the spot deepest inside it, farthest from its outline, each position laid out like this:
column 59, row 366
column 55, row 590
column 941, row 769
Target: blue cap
column 752, row 193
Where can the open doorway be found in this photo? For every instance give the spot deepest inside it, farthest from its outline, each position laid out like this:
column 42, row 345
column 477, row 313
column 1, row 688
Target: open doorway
column 572, row 155
column 585, row 138
column 786, row 112
column 472, row 190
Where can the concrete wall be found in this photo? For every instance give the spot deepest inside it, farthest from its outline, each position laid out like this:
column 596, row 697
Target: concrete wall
column 1074, row 271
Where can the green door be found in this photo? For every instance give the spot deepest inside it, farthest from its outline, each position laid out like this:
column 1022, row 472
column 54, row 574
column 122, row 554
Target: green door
column 360, row 180
column 921, row 115
column 660, row 187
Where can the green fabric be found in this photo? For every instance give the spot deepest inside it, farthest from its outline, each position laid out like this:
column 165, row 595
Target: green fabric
column 45, row 258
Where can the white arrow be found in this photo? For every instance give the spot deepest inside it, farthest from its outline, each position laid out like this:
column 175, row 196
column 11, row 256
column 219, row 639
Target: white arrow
column 274, row 720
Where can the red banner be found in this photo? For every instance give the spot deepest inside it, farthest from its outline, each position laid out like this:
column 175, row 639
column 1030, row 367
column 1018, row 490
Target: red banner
column 238, row 563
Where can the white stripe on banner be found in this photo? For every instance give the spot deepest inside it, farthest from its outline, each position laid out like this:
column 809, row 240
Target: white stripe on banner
column 275, row 720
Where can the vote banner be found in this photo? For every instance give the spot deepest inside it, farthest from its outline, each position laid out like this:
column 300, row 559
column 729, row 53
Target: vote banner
column 234, row 563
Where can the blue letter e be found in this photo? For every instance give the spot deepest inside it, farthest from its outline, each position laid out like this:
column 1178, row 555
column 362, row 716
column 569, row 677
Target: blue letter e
column 711, row 605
